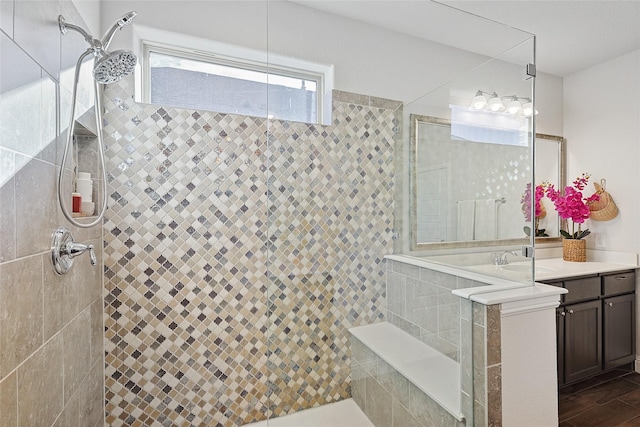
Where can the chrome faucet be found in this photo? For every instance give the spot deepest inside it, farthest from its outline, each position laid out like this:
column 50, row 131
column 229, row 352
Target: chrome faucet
column 64, row 250
column 73, row 250
column 500, row 258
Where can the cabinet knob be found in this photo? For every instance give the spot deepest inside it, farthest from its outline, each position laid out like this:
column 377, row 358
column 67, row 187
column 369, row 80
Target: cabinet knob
column 563, row 314
column 570, row 311
column 610, row 304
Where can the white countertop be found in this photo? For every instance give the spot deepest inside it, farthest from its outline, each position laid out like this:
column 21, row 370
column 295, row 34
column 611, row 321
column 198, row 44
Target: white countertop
column 512, row 282
column 549, row 269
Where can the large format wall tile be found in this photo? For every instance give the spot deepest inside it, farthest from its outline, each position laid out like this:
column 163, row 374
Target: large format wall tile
column 238, row 253
column 20, row 311
column 91, row 397
column 51, row 329
column 9, row 401
column 21, row 100
column 77, row 342
column 37, row 209
column 7, row 215
column 6, row 16
column 36, row 30
column 40, row 385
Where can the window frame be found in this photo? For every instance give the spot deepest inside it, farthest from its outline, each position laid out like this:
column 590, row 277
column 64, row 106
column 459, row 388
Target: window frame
column 268, row 68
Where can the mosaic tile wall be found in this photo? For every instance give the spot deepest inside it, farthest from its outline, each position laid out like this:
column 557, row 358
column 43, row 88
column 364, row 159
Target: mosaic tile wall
column 237, row 256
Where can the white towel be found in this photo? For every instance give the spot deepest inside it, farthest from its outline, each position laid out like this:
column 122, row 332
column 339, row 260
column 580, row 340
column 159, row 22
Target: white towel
column 486, row 220
column 466, row 219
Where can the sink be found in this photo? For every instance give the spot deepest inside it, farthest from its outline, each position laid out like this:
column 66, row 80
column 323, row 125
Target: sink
column 524, row 268
column 516, row 270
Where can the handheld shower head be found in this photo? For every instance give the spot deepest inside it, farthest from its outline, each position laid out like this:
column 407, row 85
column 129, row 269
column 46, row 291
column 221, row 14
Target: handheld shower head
column 126, row 19
column 109, row 67
column 118, row 25
column 113, row 66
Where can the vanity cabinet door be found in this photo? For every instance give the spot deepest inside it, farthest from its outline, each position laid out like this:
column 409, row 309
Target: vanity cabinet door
column 582, row 340
column 560, row 315
column 619, row 330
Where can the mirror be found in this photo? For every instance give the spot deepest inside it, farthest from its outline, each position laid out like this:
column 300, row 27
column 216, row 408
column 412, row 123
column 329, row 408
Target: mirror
column 466, row 193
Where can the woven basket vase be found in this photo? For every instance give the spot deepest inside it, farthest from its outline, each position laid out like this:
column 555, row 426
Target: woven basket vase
column 604, row 209
column 574, row 250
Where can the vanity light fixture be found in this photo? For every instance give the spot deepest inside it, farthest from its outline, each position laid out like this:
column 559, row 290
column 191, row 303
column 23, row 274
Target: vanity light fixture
column 512, row 104
column 479, row 101
column 527, row 109
column 495, row 103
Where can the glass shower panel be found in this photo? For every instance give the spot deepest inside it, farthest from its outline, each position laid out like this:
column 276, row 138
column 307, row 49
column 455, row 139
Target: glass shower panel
column 338, row 190
column 330, row 201
column 471, row 163
column 470, row 154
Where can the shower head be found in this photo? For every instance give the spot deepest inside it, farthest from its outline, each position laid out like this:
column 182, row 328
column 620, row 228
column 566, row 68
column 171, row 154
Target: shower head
column 109, row 67
column 118, row 25
column 113, row 66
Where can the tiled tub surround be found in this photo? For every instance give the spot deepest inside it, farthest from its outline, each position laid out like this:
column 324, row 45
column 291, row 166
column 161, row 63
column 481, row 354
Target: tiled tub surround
column 495, row 361
column 394, row 388
column 51, row 327
column 238, row 254
column 420, row 302
column 397, row 379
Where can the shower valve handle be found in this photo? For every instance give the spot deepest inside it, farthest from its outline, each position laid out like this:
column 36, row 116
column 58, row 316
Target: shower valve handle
column 64, row 250
column 76, row 249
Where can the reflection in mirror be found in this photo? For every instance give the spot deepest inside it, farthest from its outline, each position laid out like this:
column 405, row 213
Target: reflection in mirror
column 470, row 191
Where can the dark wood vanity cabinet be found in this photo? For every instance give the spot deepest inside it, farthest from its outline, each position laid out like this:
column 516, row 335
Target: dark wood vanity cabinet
column 582, row 340
column 618, row 330
column 595, row 324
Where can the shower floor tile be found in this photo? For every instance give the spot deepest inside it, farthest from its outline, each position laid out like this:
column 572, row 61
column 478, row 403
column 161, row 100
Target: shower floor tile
column 345, row 413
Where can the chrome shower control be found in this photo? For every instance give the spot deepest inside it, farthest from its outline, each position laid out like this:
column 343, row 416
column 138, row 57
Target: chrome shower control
column 64, row 250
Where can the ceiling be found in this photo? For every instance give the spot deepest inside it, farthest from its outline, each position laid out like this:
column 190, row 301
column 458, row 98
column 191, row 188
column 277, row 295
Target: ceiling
column 571, row 35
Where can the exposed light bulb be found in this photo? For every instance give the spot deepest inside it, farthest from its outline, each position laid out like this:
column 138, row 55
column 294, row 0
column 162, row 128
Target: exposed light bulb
column 495, row 104
column 512, row 104
column 514, row 107
column 479, row 101
column 527, row 109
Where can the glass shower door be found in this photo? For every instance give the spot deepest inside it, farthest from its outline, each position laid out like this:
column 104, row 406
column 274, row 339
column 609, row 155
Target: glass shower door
column 338, row 186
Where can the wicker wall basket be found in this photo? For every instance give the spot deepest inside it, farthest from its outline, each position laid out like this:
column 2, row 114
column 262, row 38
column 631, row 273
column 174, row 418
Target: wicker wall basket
column 574, row 250
column 604, row 209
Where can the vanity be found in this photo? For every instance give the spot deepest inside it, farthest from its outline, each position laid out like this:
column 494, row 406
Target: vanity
column 595, row 323
column 578, row 320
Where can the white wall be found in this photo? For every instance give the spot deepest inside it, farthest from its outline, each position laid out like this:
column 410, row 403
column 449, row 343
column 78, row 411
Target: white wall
column 90, row 12
column 602, row 127
column 368, row 59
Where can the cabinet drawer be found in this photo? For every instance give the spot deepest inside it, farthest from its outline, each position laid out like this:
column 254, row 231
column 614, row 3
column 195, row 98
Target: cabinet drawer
column 582, row 289
column 619, row 283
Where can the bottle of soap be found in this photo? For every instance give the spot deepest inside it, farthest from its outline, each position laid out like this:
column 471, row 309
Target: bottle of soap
column 84, row 186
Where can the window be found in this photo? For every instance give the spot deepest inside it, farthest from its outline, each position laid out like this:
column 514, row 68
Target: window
column 200, row 80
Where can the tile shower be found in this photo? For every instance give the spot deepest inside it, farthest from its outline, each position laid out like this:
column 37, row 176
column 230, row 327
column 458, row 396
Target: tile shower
column 237, row 254
column 51, row 336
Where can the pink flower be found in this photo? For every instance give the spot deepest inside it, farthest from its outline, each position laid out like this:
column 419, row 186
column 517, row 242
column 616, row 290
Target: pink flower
column 525, row 200
column 573, row 205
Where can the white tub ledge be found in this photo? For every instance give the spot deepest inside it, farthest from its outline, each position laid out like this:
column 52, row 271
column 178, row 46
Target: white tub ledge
column 432, row 372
